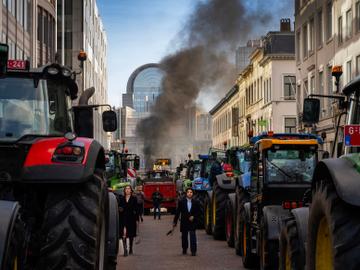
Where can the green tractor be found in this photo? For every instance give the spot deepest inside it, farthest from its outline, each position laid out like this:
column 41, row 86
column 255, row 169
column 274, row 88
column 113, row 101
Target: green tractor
column 124, row 170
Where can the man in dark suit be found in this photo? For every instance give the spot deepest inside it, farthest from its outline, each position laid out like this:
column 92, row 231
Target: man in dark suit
column 189, row 209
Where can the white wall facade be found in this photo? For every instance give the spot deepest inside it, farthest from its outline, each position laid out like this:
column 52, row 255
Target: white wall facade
column 95, row 68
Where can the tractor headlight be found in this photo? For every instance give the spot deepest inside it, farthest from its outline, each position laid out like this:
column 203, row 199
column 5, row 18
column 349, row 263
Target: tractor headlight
column 53, row 70
column 66, row 72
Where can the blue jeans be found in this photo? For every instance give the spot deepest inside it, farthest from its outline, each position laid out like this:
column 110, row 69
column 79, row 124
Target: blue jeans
column 185, row 241
column 157, row 211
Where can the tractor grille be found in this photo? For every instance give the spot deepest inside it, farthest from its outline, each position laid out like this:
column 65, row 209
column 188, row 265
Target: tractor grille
column 11, row 162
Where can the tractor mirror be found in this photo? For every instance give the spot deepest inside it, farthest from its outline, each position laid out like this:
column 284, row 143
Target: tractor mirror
column 109, row 120
column 4, row 54
column 311, row 110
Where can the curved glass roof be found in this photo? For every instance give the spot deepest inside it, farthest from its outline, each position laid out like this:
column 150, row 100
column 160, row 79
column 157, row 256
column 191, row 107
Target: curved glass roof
column 146, row 88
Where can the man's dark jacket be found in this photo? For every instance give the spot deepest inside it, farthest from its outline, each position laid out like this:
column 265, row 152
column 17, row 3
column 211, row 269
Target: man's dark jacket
column 182, row 210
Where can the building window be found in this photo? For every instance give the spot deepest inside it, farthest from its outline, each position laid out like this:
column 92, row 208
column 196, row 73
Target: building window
column 357, row 14
column 298, row 57
column 348, row 71
column 290, row 124
column 305, row 41
column 340, row 30
column 312, row 84
column 311, row 36
column 358, row 65
column 329, row 29
column 320, row 38
column 289, row 87
column 348, row 24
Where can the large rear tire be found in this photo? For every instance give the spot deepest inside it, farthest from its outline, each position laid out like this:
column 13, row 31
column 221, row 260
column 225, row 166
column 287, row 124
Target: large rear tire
column 74, row 228
column 207, row 215
column 292, row 250
column 241, row 199
column 249, row 259
column 333, row 232
column 229, row 223
column 201, row 199
column 269, row 258
column 15, row 253
column 218, row 205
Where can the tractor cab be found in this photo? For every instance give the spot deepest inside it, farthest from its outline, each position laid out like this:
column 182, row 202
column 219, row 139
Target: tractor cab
column 282, row 166
column 38, row 102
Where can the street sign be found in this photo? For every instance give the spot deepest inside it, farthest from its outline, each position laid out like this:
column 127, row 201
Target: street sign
column 352, row 135
column 17, row 65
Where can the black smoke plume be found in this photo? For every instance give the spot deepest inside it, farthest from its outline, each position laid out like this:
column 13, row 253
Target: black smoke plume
column 208, row 42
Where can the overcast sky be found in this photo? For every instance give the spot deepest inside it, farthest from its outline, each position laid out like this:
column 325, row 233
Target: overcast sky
column 141, row 31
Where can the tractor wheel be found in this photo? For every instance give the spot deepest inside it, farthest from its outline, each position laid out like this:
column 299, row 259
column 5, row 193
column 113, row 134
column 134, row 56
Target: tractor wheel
column 207, row 215
column 16, row 252
column 218, row 212
column 269, row 258
column 74, row 228
column 292, row 250
column 241, row 198
column 201, row 199
column 249, row 259
column 333, row 232
column 229, row 223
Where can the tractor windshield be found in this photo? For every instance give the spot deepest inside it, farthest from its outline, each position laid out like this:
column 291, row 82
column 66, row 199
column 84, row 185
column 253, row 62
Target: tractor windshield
column 289, row 165
column 28, row 110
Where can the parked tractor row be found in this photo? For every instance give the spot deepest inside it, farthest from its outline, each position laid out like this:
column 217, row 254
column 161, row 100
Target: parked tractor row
column 277, row 204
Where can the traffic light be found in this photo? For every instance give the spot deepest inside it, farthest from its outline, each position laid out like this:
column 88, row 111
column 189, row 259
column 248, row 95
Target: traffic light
column 4, row 54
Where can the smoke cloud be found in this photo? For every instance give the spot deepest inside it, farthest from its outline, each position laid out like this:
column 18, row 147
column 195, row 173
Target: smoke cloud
column 203, row 64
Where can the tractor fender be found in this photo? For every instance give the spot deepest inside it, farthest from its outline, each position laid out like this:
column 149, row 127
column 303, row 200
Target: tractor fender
column 55, row 173
column 247, row 211
column 225, row 182
column 344, row 173
column 232, row 198
column 301, row 216
column 273, row 216
column 8, row 213
column 113, row 227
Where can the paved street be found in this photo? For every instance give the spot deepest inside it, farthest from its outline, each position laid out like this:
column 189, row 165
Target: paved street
column 157, row 251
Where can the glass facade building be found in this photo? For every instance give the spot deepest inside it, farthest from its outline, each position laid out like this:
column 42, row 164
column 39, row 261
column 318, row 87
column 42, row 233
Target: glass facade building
column 144, row 86
column 147, row 87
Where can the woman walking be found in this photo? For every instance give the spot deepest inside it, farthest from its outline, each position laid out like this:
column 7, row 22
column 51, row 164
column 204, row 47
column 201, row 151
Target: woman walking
column 128, row 217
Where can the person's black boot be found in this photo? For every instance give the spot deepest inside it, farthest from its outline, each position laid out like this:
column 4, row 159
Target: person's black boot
column 125, row 247
column 184, row 252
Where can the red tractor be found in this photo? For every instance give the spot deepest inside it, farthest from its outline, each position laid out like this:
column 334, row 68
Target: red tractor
column 55, row 208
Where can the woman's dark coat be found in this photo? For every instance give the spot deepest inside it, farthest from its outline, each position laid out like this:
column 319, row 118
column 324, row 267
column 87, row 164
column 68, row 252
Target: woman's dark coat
column 128, row 215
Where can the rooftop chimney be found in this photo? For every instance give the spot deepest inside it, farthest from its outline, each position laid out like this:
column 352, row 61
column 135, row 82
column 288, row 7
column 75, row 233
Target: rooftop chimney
column 285, row 25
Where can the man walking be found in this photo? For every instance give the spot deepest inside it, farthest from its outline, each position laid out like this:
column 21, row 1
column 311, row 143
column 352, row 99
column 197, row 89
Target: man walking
column 189, row 210
column 157, row 198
